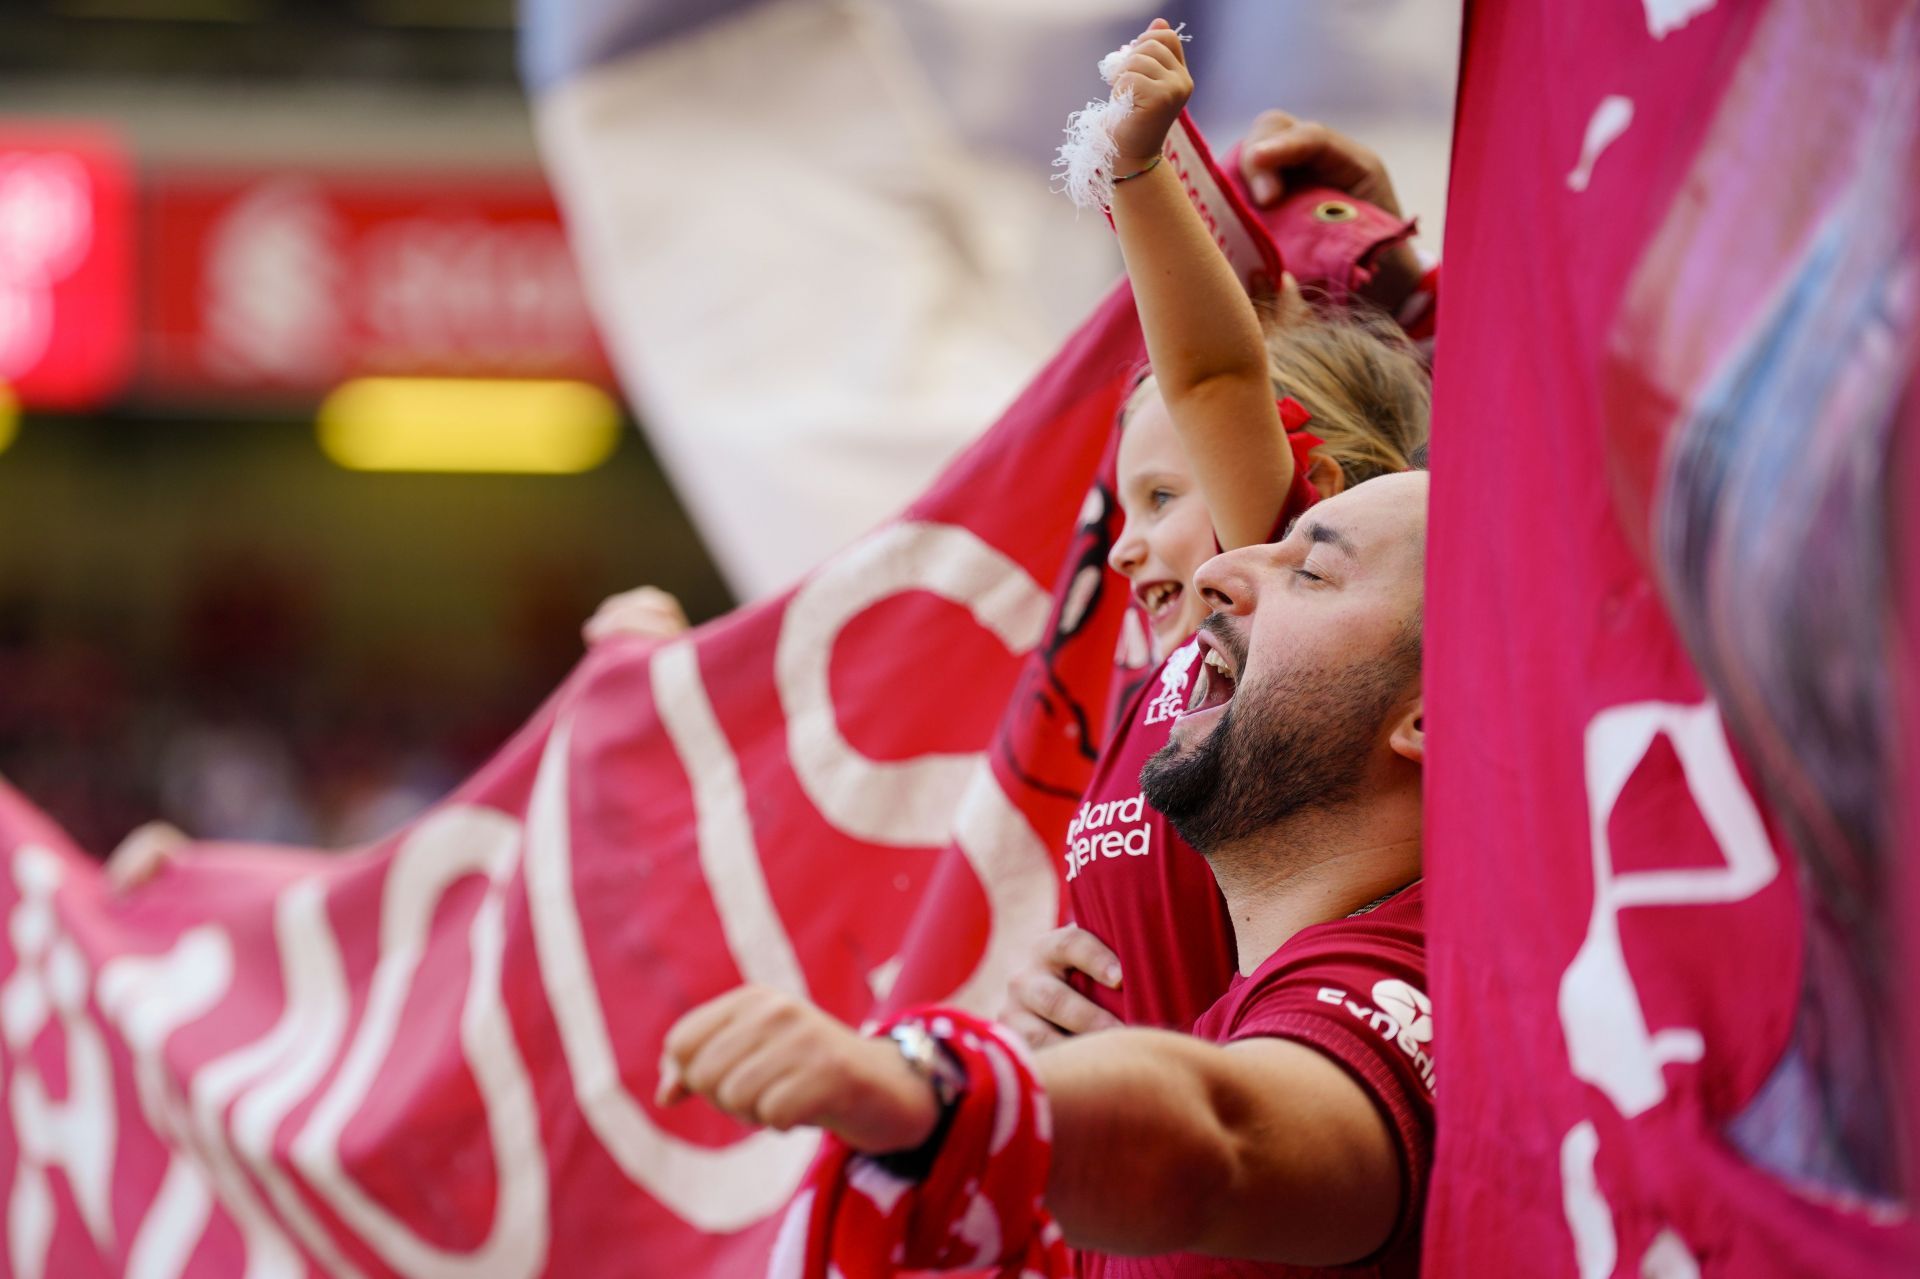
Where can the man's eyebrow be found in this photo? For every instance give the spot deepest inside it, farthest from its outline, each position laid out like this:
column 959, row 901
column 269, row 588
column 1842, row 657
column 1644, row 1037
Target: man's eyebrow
column 1326, row 535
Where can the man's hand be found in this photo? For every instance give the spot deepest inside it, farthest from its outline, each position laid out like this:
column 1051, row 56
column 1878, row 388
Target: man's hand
column 1155, row 73
column 1042, row 1007
column 143, row 854
column 1281, row 152
column 769, row 1059
column 645, row 611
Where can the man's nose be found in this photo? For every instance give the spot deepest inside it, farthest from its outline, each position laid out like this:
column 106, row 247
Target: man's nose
column 1226, row 581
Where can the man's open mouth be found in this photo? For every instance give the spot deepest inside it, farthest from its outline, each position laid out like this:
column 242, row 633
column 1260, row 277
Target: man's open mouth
column 1215, row 684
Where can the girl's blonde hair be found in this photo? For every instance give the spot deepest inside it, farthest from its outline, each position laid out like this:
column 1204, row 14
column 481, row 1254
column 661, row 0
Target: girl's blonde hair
column 1363, row 382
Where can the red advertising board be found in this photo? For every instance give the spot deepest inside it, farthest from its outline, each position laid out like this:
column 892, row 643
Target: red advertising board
column 279, row 285
column 66, row 265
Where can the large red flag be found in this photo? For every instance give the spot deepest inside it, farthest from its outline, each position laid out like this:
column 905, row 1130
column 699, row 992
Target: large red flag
column 1683, row 271
column 436, row 1056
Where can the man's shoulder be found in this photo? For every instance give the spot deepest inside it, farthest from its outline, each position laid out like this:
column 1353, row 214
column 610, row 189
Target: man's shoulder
column 1381, row 946
column 1354, row 990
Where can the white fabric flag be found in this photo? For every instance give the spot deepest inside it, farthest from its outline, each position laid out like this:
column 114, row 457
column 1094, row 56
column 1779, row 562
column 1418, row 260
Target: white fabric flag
column 820, row 238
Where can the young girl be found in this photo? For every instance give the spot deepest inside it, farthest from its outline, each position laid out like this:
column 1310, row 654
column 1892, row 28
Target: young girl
column 1232, row 436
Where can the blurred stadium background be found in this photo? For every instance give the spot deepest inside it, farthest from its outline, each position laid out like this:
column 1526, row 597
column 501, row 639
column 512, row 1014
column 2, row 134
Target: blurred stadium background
column 312, row 456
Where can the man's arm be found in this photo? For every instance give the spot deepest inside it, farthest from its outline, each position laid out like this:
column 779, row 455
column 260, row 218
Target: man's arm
column 1263, row 1149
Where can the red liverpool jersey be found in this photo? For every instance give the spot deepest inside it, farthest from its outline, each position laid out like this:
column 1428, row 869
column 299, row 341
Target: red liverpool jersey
column 1354, row 989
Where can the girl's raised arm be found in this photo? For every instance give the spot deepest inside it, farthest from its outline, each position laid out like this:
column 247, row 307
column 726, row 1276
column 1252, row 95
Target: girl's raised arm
column 1203, row 334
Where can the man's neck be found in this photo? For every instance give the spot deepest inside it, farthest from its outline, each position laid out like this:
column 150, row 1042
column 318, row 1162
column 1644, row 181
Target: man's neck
column 1314, row 867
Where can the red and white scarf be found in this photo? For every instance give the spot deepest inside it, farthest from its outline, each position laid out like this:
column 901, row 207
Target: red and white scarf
column 980, row 1204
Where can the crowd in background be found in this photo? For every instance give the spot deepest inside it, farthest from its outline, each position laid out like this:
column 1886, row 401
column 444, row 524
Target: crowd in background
column 250, row 730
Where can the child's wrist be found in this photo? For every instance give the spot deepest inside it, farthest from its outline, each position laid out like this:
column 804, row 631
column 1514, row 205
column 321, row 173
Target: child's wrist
column 1132, row 166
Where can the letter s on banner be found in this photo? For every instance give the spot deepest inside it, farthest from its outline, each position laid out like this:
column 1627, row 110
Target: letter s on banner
column 906, row 803
column 915, row 803
column 912, row 803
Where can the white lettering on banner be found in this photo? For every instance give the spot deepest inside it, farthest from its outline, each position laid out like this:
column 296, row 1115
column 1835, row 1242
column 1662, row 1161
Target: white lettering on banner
column 1667, row 1257
column 149, row 997
column 288, row 1062
column 77, row 1135
column 1589, row 1218
column 175, row 1223
column 1667, row 16
column 446, row 847
column 911, row 803
column 729, row 858
column 146, row 998
column 223, row 1118
column 714, row 1190
column 905, row 803
column 1610, row 120
column 1596, row 1249
column 920, row 802
column 1609, row 1044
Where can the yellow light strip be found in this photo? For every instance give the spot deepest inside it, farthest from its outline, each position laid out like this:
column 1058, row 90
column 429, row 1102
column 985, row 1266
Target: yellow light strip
column 9, row 416
column 471, row 425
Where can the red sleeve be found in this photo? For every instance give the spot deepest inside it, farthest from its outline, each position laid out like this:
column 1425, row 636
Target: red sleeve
column 1356, row 991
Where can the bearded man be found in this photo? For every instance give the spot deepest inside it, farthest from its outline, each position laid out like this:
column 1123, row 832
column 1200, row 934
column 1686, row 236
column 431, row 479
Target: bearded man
column 1292, row 1130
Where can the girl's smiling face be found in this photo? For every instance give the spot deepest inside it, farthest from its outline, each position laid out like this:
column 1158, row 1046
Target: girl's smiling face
column 1168, row 533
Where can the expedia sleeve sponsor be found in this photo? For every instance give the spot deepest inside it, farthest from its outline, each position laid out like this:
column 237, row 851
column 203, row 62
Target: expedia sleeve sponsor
column 1111, row 828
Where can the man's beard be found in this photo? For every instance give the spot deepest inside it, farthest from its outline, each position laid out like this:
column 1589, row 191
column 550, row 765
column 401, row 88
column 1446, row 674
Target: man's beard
column 1298, row 742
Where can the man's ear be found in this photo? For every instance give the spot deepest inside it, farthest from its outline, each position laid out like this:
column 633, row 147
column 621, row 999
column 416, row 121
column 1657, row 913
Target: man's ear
column 1325, row 474
column 1409, row 737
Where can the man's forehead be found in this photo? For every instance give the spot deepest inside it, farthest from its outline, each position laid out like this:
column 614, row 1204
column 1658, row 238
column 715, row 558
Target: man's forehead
column 1377, row 512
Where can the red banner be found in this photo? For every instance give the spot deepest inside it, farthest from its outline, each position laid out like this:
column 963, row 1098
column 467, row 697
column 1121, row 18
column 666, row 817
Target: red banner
column 436, row 1056
column 66, row 265
column 268, row 285
column 1683, row 268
